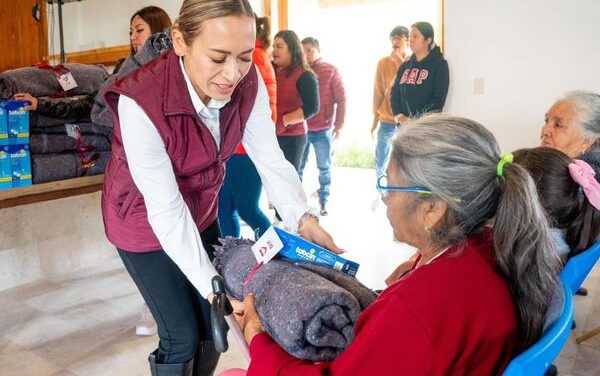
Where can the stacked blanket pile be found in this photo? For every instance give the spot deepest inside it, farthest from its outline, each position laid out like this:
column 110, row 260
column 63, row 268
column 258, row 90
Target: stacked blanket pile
column 308, row 309
column 64, row 143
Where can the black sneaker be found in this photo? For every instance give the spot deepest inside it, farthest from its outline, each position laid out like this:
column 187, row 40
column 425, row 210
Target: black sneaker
column 323, row 211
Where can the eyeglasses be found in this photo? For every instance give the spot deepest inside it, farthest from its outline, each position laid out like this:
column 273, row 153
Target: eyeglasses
column 384, row 188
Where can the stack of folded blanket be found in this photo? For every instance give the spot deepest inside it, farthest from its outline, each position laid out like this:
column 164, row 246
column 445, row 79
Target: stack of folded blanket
column 64, row 143
column 308, row 309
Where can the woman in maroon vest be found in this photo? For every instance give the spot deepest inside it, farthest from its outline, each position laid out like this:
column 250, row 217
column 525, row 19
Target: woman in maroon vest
column 176, row 122
column 297, row 95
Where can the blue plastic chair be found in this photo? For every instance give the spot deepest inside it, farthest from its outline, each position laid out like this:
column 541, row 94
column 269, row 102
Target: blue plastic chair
column 537, row 359
column 578, row 267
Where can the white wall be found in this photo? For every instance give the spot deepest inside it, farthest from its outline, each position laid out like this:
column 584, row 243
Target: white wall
column 528, row 53
column 103, row 23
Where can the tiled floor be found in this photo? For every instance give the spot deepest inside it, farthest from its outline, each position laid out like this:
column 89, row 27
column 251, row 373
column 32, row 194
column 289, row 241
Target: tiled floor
column 82, row 322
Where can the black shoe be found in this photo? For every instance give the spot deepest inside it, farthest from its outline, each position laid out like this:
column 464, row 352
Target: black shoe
column 581, row 292
column 323, row 211
column 180, row 369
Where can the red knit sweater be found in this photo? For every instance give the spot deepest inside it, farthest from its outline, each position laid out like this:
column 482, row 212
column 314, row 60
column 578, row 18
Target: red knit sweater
column 453, row 316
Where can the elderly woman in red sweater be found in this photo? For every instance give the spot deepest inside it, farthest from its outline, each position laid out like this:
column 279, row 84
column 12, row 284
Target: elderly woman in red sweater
column 476, row 295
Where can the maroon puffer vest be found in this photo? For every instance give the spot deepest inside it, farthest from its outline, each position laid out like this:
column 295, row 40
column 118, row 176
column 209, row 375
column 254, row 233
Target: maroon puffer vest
column 288, row 100
column 159, row 88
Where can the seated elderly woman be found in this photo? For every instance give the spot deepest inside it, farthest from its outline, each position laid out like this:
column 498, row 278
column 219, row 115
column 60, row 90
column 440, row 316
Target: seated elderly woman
column 572, row 125
column 575, row 220
column 476, row 295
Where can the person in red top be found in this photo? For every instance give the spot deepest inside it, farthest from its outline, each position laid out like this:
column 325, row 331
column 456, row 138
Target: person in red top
column 332, row 97
column 476, row 295
column 240, row 194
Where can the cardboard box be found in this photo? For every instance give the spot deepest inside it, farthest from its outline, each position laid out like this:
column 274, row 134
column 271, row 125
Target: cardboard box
column 18, row 121
column 5, row 168
column 296, row 248
column 20, row 161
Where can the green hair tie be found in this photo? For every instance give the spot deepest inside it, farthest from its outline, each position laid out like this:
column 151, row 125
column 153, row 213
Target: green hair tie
column 506, row 158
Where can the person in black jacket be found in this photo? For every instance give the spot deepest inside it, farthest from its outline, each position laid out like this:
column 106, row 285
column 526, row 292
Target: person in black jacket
column 421, row 84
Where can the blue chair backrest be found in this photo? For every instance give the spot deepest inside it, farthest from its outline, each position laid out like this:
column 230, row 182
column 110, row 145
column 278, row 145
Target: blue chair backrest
column 578, row 267
column 539, row 357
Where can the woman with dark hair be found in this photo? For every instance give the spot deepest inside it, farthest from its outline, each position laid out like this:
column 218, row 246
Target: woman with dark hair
column 421, row 84
column 240, row 194
column 575, row 220
column 297, row 95
column 143, row 24
column 477, row 294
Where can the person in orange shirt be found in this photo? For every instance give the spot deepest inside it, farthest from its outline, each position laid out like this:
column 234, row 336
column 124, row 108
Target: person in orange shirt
column 382, row 111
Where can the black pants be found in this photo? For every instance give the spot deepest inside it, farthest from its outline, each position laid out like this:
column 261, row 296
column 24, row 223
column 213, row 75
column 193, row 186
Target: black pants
column 181, row 313
column 293, row 151
column 293, row 148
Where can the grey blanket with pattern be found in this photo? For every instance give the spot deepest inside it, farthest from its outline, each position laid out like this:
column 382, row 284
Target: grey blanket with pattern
column 52, row 167
column 42, row 82
column 309, row 310
column 58, row 140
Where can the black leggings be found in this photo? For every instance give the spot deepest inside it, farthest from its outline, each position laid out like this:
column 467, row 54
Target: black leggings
column 181, row 313
column 293, row 151
column 293, row 148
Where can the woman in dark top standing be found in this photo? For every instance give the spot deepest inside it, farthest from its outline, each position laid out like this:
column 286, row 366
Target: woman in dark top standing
column 421, row 84
column 297, row 95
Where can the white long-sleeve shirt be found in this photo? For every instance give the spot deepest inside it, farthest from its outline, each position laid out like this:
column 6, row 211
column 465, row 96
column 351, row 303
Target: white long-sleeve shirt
column 168, row 214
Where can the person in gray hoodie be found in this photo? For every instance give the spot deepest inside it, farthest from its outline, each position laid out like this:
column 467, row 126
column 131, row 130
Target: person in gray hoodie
column 421, row 84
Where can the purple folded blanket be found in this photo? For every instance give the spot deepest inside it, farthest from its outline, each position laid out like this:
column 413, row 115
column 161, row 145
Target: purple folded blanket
column 309, row 310
column 43, row 82
column 57, row 139
column 52, row 167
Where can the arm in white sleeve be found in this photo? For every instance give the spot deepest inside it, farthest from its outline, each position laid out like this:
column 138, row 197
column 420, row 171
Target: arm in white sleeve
column 168, row 215
column 278, row 176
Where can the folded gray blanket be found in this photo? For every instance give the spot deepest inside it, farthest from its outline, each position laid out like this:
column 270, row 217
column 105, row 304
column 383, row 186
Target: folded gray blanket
column 57, row 139
column 42, row 82
column 52, row 167
column 311, row 316
column 154, row 46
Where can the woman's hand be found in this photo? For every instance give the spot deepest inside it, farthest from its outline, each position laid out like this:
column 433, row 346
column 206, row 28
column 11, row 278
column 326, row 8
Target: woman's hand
column 248, row 318
column 312, row 231
column 29, row 98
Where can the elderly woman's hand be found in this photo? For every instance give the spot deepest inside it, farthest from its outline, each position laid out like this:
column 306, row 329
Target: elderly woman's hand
column 312, row 231
column 248, row 319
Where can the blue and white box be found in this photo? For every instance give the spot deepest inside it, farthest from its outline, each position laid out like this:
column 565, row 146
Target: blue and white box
column 20, row 160
column 18, row 121
column 5, row 168
column 296, row 248
column 3, row 126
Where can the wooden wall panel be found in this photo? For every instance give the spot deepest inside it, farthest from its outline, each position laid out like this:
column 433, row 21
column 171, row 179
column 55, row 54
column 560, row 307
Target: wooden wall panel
column 23, row 39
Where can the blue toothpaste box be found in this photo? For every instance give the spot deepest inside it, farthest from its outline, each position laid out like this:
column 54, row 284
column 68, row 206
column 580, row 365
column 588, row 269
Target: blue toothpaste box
column 3, row 126
column 5, row 168
column 297, row 249
column 18, row 121
column 20, row 160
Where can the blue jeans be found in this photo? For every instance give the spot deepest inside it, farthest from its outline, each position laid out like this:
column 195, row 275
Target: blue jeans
column 382, row 150
column 321, row 141
column 239, row 197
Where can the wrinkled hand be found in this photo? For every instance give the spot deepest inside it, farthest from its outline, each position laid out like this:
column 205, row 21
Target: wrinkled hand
column 29, row 98
column 312, row 231
column 248, row 318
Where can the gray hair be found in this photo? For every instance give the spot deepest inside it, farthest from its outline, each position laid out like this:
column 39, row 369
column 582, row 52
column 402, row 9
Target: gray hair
column 587, row 106
column 457, row 159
